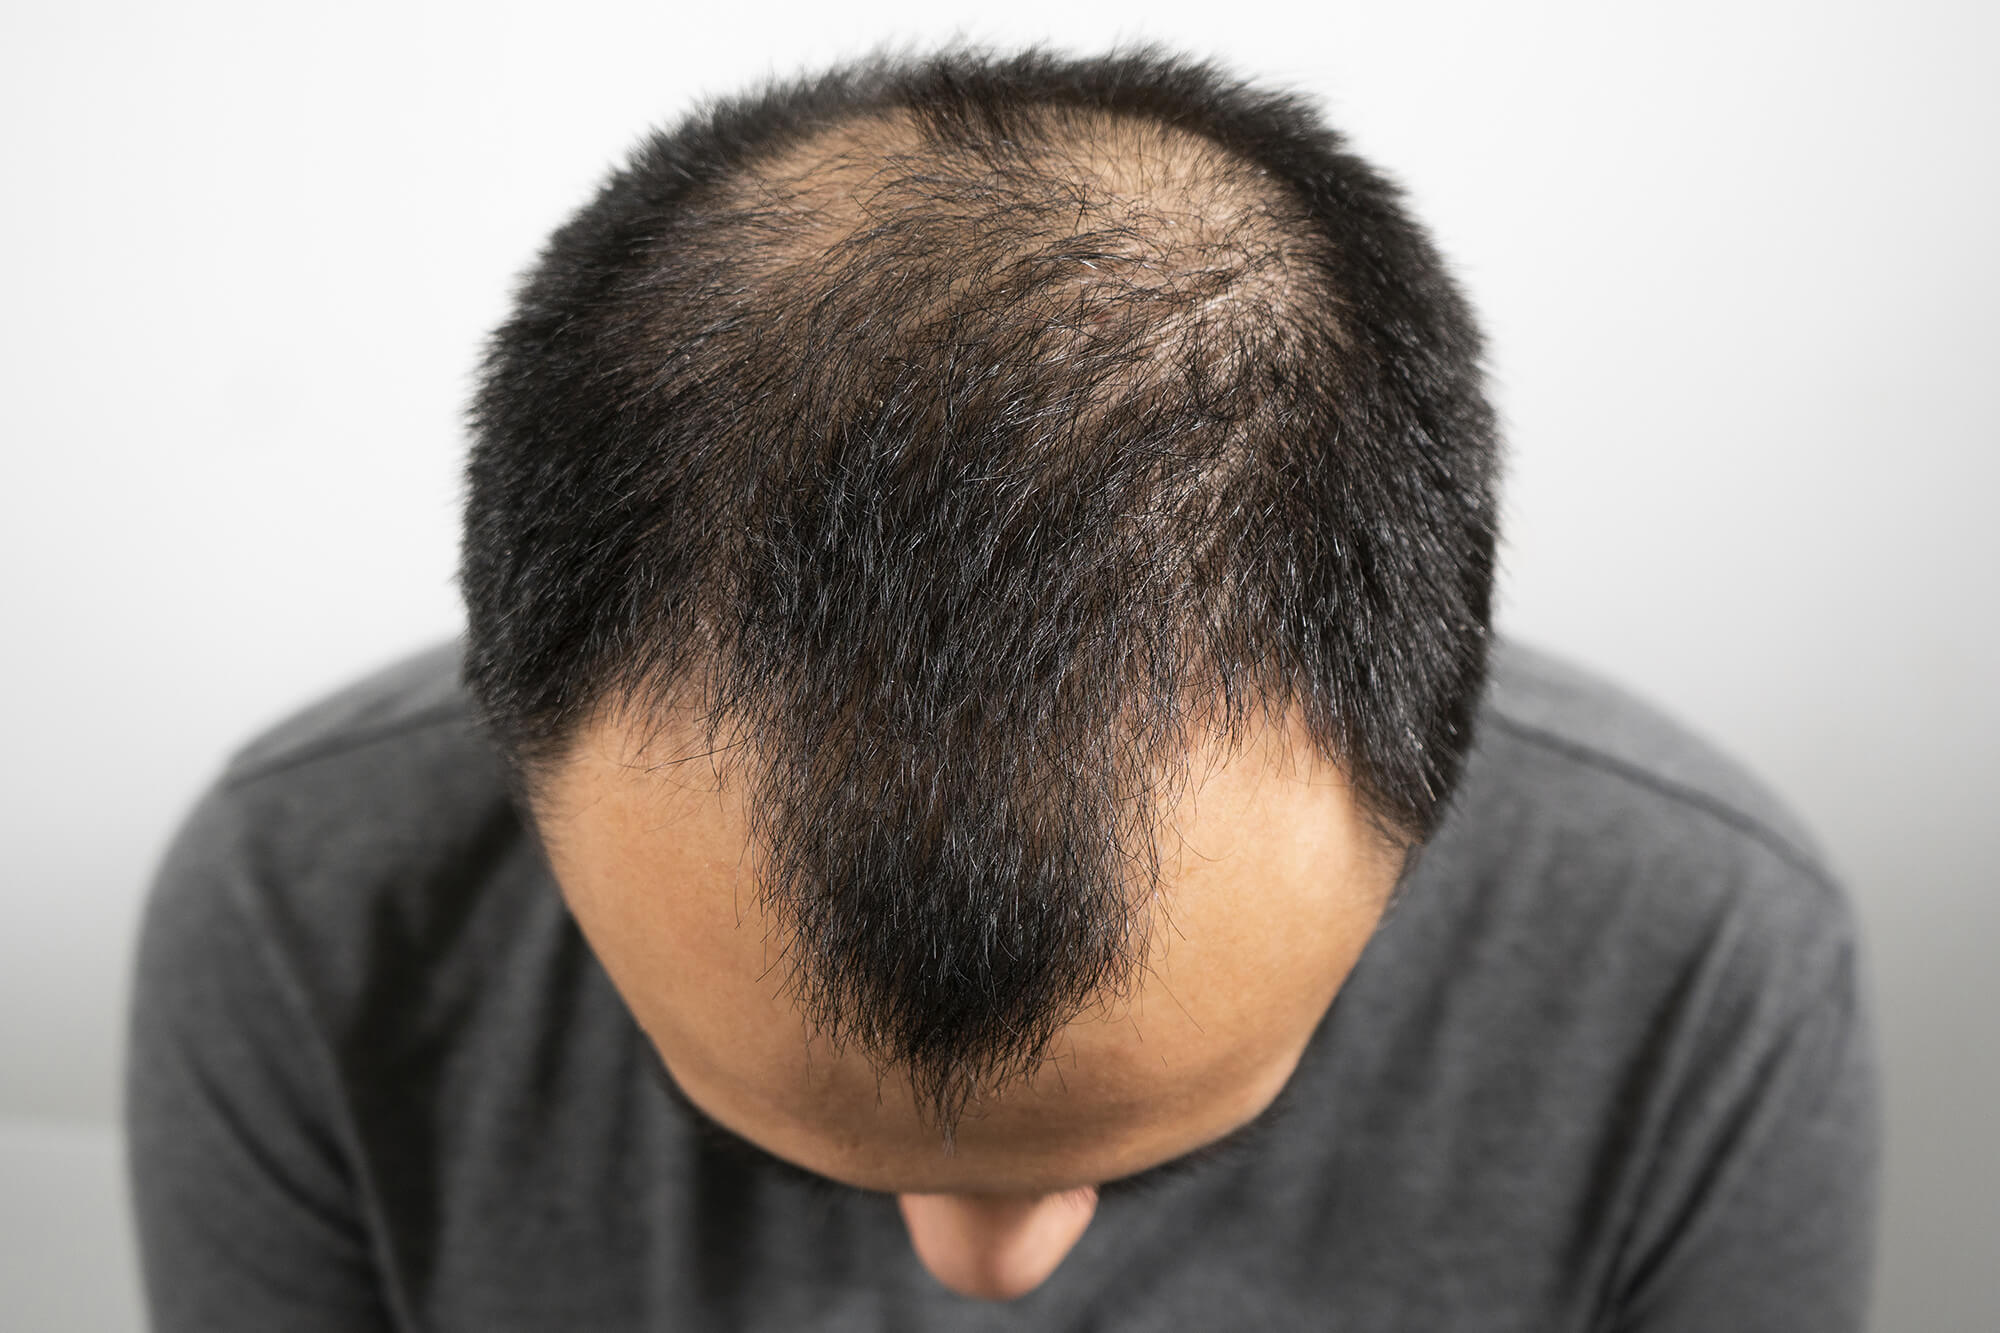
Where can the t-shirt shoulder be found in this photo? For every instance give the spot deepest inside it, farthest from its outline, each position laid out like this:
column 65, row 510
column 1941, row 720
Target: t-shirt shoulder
column 1624, row 943
column 368, row 832
column 1537, row 698
column 420, row 691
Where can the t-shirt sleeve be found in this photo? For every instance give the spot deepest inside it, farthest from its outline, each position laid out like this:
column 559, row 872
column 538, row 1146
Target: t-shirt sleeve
column 1760, row 1214
column 246, row 1209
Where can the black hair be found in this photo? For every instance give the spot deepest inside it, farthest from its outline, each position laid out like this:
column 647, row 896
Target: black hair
column 961, row 437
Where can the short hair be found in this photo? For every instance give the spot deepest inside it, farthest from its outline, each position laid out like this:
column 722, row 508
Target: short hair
column 963, row 434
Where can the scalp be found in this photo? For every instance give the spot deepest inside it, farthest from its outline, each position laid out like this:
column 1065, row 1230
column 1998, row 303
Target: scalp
column 1001, row 392
column 966, row 440
column 1109, row 243
column 1076, row 205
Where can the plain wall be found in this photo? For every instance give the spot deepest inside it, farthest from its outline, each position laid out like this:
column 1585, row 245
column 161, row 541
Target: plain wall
column 1736, row 261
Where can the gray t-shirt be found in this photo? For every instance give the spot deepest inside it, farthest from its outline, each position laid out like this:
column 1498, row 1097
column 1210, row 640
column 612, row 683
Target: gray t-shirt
column 1605, row 1066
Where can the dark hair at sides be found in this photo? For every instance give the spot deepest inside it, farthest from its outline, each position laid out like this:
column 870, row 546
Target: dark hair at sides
column 962, row 435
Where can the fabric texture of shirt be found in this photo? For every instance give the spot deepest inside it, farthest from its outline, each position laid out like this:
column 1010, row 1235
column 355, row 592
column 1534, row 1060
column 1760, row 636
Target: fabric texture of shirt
column 1604, row 1066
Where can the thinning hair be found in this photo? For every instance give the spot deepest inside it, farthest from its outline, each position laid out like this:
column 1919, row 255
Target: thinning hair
column 962, row 437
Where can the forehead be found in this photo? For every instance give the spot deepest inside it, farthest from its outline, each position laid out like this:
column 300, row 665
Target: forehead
column 1271, row 881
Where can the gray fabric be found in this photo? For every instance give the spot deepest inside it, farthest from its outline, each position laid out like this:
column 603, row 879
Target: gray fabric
column 1605, row 1066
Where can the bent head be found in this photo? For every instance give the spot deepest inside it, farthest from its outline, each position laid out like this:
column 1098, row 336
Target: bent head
column 981, row 567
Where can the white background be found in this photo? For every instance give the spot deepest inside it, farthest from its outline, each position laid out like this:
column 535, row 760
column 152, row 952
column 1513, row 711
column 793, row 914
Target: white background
column 1737, row 262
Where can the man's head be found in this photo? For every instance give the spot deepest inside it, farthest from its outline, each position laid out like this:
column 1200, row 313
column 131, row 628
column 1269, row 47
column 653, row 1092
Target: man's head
column 956, row 544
